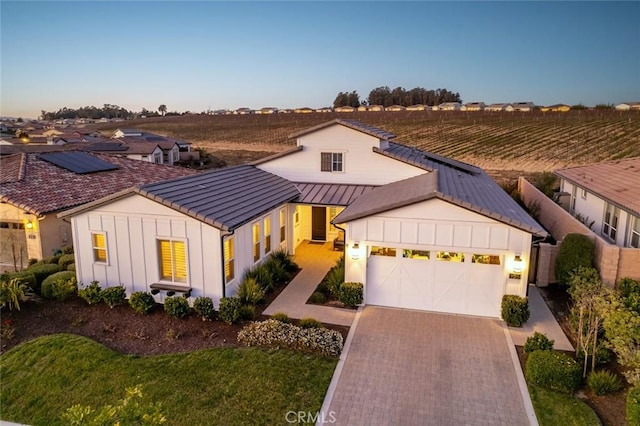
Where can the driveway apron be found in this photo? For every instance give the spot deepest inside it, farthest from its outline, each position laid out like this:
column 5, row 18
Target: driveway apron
column 418, row 368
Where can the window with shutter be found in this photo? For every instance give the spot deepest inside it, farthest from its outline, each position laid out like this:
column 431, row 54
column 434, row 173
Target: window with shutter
column 325, row 162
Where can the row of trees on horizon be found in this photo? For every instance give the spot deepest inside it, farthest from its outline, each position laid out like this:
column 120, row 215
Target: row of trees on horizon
column 107, row 111
column 385, row 96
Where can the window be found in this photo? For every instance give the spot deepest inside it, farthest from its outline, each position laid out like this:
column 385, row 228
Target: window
column 229, row 260
column 449, row 256
column 416, row 254
column 99, row 243
column 283, row 226
column 173, row 260
column 157, row 158
column 634, row 238
column 485, row 259
column 333, row 212
column 256, row 242
column 583, row 194
column 610, row 222
column 331, row 162
column 383, row 251
column 267, row 235
column 572, row 208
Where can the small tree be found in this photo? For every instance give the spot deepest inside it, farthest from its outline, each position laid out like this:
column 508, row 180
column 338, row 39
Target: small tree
column 162, row 109
column 576, row 250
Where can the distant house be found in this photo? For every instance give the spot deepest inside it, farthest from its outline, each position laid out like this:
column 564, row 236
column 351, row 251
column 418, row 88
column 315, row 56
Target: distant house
column 607, row 195
column 449, row 106
column 345, row 109
column 267, row 110
column 498, row 107
column 523, row 106
column 244, row 111
column 303, row 110
column 286, row 111
column 121, row 133
column 473, row 106
column 35, row 187
column 395, row 108
column 324, row 109
column 555, row 108
column 628, row 106
column 362, row 108
column 375, row 108
column 417, row 107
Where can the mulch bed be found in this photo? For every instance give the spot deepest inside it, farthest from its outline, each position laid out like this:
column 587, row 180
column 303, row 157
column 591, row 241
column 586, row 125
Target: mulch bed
column 122, row 330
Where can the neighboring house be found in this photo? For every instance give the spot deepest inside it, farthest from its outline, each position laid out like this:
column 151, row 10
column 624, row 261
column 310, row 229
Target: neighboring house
column 122, row 133
column 628, row 106
column 395, row 108
column 606, row 196
column 303, row 110
column 345, row 109
column 324, row 109
column 35, row 187
column 523, row 106
column 362, row 108
column 556, row 108
column 267, row 110
column 417, row 107
column 473, row 106
column 449, row 106
column 375, row 108
column 498, row 107
column 422, row 231
column 244, row 111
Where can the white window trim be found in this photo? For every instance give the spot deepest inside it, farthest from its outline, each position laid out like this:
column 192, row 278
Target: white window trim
column 254, row 243
column 583, row 193
column 231, row 260
column 282, row 219
column 106, row 248
column 265, row 220
column 607, row 234
column 333, row 152
column 634, row 220
column 159, row 269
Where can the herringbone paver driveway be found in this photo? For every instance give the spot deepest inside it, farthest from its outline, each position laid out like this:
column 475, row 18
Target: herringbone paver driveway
column 418, row 368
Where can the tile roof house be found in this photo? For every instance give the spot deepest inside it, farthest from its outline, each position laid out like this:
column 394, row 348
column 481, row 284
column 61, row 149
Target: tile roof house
column 523, row 106
column 607, row 196
column 34, row 187
column 498, row 107
column 628, row 106
column 422, row 231
column 449, row 106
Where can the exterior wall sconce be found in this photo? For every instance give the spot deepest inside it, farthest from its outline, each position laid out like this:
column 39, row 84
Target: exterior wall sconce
column 354, row 251
column 517, row 265
column 29, row 225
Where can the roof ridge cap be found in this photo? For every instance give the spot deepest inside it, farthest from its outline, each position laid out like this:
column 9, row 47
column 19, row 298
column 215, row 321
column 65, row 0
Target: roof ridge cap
column 22, row 172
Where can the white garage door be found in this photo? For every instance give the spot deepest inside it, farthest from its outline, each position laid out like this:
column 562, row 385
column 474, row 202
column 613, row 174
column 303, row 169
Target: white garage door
column 442, row 281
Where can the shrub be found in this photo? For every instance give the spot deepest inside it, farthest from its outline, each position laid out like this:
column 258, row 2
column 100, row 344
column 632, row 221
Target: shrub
column 204, row 307
column 515, row 310
column 261, row 275
column 545, row 182
column 575, row 250
column 335, row 277
column 281, row 316
column 351, row 294
column 71, row 267
column 229, row 310
column 50, row 286
column 285, row 260
column 11, row 294
column 276, row 270
column 630, row 293
column 317, row 298
column 92, row 293
column 67, row 250
column 59, row 286
column 554, row 371
column 603, row 382
column 250, row 292
column 583, row 283
column 41, row 271
column 142, row 302
column 114, row 296
column 65, row 260
column 310, row 323
column 272, row 333
column 247, row 312
column 633, row 406
column 176, row 306
column 603, row 354
column 538, row 342
column 52, row 260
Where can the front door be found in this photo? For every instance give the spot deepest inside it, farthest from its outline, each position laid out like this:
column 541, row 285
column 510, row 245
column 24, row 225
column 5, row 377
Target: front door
column 318, row 223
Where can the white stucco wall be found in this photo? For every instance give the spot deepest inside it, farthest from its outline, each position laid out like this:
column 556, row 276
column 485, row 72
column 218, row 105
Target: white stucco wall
column 360, row 164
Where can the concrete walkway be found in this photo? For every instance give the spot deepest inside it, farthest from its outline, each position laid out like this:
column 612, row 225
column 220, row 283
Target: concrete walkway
column 404, row 367
column 315, row 261
column 541, row 320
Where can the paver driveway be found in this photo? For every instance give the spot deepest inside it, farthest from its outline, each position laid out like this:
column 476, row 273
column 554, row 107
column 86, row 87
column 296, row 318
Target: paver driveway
column 418, row 368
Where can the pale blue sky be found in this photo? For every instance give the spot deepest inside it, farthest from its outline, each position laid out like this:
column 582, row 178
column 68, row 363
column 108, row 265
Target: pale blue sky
column 208, row 54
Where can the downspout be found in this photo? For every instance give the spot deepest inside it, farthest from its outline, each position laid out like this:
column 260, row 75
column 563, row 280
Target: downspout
column 344, row 249
column 224, row 278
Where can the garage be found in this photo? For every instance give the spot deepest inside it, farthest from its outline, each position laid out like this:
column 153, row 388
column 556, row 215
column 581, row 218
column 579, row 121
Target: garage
column 435, row 280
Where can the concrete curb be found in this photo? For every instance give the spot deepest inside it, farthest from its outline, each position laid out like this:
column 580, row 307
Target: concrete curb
column 324, row 410
column 522, row 383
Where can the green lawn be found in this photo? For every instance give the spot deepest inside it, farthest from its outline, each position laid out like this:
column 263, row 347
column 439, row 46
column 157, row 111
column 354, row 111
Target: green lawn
column 552, row 406
column 42, row 378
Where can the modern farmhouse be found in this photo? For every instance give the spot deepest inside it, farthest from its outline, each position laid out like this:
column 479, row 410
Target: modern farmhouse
column 419, row 230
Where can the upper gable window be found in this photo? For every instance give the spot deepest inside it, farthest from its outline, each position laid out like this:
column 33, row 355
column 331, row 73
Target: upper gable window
column 331, row 162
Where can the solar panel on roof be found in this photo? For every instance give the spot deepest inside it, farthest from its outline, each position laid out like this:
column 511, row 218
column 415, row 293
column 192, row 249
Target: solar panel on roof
column 78, row 162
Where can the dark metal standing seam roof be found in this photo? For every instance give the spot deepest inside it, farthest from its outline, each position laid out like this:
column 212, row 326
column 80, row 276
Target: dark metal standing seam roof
column 225, row 199
column 330, row 194
column 460, row 183
column 352, row 124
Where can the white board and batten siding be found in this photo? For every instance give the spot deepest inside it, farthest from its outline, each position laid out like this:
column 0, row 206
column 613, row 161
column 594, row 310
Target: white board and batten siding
column 133, row 226
column 361, row 166
column 430, row 284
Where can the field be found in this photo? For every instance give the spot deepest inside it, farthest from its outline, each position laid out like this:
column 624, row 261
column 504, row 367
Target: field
column 503, row 143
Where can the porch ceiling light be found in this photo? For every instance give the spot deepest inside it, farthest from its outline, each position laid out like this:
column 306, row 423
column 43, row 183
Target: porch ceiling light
column 517, row 265
column 354, row 251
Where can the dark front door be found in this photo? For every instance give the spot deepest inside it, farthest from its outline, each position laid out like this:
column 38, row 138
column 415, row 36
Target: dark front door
column 318, row 223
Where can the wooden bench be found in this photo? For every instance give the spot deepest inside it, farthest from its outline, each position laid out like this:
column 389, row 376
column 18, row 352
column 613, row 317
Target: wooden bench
column 170, row 289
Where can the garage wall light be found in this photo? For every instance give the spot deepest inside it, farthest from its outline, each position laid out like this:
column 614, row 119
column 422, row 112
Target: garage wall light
column 354, row 251
column 517, row 266
column 29, row 225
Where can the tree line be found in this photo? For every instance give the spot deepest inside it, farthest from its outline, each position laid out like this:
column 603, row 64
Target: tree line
column 107, row 111
column 399, row 96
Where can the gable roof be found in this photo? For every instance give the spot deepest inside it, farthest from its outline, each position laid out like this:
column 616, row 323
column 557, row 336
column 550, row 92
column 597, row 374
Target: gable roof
column 352, row 124
column 613, row 181
column 43, row 187
column 454, row 181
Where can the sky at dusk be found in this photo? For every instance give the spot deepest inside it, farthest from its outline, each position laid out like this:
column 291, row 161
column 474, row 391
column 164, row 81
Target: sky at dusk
column 211, row 55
